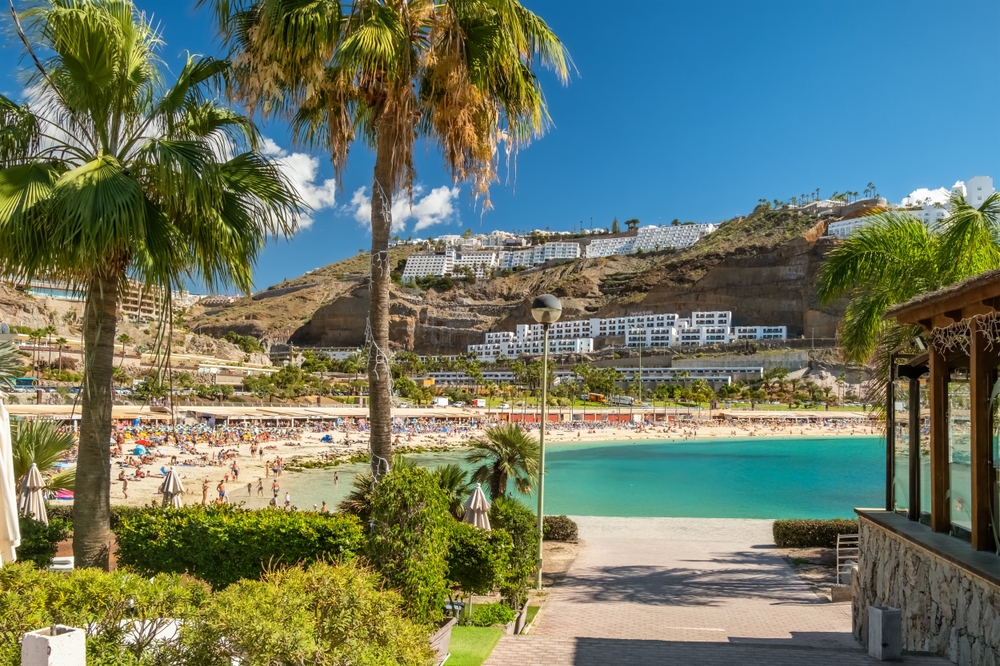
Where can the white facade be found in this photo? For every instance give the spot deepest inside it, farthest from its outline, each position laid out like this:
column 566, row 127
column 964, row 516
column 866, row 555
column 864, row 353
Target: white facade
column 424, row 265
column 514, row 348
column 652, row 239
column 978, row 189
column 482, row 263
column 605, row 247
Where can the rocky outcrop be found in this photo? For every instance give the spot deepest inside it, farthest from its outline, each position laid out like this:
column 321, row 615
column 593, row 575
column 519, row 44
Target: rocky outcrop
column 775, row 287
column 944, row 609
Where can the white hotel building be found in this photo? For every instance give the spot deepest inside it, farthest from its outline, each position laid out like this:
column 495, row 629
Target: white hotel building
column 484, row 261
column 650, row 239
column 576, row 336
column 975, row 191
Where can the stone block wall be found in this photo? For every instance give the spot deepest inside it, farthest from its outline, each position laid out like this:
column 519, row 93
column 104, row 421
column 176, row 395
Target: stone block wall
column 945, row 610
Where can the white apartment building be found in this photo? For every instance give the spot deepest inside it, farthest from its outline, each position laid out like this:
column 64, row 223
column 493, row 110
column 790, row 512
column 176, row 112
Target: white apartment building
column 515, row 348
column 653, row 238
column 978, row 189
column 482, row 263
column 605, row 247
column 424, row 265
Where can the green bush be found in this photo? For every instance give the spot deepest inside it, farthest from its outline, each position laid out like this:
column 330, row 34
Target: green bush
column 409, row 540
column 811, row 533
column 104, row 604
column 477, row 559
column 486, row 615
column 326, row 615
column 559, row 528
column 39, row 541
column 517, row 520
column 224, row 544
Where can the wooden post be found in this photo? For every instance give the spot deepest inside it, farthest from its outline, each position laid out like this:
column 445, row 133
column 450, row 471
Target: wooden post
column 940, row 472
column 913, row 510
column 890, row 437
column 981, row 364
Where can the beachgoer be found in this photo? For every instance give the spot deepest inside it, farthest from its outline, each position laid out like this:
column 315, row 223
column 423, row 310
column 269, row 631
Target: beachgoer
column 222, row 491
column 124, row 487
column 336, row 478
column 275, row 487
column 260, row 487
column 323, row 508
column 288, row 499
column 249, row 489
column 204, row 492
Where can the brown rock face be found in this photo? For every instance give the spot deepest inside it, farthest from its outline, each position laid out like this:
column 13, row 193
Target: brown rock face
column 775, row 287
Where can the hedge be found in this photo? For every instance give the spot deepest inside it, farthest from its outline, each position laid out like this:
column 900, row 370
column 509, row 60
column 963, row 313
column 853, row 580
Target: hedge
column 811, row 533
column 223, row 544
column 39, row 542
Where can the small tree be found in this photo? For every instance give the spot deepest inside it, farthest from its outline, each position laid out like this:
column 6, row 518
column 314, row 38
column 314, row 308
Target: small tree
column 408, row 543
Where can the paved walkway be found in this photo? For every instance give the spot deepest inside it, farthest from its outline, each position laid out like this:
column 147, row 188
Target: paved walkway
column 684, row 591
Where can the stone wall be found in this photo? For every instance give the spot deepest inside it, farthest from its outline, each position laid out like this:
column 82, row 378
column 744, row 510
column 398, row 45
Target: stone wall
column 945, row 609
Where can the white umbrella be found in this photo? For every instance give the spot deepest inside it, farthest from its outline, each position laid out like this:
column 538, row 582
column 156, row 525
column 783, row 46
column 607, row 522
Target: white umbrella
column 32, row 500
column 10, row 532
column 172, row 489
column 477, row 509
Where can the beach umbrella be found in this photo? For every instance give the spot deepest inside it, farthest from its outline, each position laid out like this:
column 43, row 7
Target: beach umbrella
column 32, row 500
column 172, row 490
column 10, row 531
column 477, row 509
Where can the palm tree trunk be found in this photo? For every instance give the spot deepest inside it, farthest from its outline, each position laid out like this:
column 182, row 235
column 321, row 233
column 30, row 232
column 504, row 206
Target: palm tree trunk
column 92, row 510
column 380, row 401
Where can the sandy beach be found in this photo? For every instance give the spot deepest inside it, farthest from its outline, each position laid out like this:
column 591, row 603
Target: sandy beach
column 293, row 447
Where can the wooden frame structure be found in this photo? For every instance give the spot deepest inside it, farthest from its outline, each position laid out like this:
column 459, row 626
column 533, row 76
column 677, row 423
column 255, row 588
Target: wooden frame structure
column 962, row 326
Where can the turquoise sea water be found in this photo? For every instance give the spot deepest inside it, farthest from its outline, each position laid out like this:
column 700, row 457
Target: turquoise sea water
column 739, row 478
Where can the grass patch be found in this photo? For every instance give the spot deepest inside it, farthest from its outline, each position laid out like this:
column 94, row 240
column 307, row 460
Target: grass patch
column 532, row 612
column 471, row 646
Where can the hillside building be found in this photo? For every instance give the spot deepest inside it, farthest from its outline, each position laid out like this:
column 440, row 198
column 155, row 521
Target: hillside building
column 485, row 260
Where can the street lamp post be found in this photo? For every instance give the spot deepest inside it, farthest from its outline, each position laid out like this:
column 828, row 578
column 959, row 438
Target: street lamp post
column 546, row 309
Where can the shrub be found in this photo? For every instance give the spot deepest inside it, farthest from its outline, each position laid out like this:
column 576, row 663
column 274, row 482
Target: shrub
column 559, row 528
column 477, row 559
column 486, row 615
column 105, row 604
column 39, row 541
column 223, row 544
column 517, row 520
column 811, row 533
column 409, row 540
column 327, row 615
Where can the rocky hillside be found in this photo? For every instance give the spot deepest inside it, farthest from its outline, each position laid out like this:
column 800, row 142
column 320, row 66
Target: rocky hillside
column 762, row 267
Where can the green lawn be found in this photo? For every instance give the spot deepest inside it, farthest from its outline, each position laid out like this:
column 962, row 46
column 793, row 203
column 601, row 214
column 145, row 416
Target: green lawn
column 470, row 646
column 532, row 612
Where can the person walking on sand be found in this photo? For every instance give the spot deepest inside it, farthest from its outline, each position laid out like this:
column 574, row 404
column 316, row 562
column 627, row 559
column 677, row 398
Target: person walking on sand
column 204, row 492
column 323, row 508
column 222, row 491
column 249, row 489
column 288, row 499
column 260, row 487
column 275, row 487
column 124, row 487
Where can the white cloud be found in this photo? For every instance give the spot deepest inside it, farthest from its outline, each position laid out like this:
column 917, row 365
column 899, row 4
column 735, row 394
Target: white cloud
column 437, row 207
column 923, row 196
column 302, row 170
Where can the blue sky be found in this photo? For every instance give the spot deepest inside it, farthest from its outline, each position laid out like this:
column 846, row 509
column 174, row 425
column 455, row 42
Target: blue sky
column 691, row 110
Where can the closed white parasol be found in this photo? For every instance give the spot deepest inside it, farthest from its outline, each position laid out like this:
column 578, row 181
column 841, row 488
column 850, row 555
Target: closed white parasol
column 172, row 489
column 477, row 509
column 32, row 500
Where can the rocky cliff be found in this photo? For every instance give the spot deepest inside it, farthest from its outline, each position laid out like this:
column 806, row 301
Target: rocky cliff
column 762, row 267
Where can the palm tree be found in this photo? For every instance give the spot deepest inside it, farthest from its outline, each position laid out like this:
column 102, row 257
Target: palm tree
column 897, row 257
column 10, row 363
column 107, row 174
column 125, row 339
column 62, row 345
column 41, row 443
column 506, row 452
column 454, row 481
column 457, row 73
column 49, row 331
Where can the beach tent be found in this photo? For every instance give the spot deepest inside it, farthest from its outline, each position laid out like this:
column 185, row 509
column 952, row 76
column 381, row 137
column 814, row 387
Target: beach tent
column 139, row 450
column 477, row 509
column 32, row 500
column 10, row 531
column 172, row 490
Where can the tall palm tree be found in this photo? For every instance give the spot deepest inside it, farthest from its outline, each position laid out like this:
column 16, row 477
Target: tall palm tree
column 506, row 452
column 61, row 342
column 41, row 443
column 897, row 257
column 10, row 364
column 460, row 74
column 109, row 174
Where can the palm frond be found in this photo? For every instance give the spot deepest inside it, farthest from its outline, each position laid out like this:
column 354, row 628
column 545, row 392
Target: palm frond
column 40, row 443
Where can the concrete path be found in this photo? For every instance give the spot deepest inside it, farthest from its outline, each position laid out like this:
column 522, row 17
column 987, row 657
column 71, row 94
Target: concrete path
column 684, row 591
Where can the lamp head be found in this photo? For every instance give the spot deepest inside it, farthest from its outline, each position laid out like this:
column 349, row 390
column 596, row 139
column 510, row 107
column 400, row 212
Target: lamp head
column 546, row 309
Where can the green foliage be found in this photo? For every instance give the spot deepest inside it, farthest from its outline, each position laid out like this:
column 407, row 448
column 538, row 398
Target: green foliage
column 326, row 615
column 102, row 603
column 289, row 382
column 519, row 522
column 559, row 528
column 223, row 544
column 44, row 444
column 443, row 283
column 246, row 343
column 408, row 543
column 39, row 541
column 477, row 559
column 486, row 615
column 505, row 452
column 472, row 646
column 811, row 533
column 150, row 388
column 454, row 481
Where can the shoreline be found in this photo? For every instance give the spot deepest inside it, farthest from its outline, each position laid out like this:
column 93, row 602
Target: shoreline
column 309, row 448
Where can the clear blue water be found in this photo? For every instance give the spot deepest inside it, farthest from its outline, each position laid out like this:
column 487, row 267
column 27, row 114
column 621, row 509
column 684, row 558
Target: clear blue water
column 740, row 478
